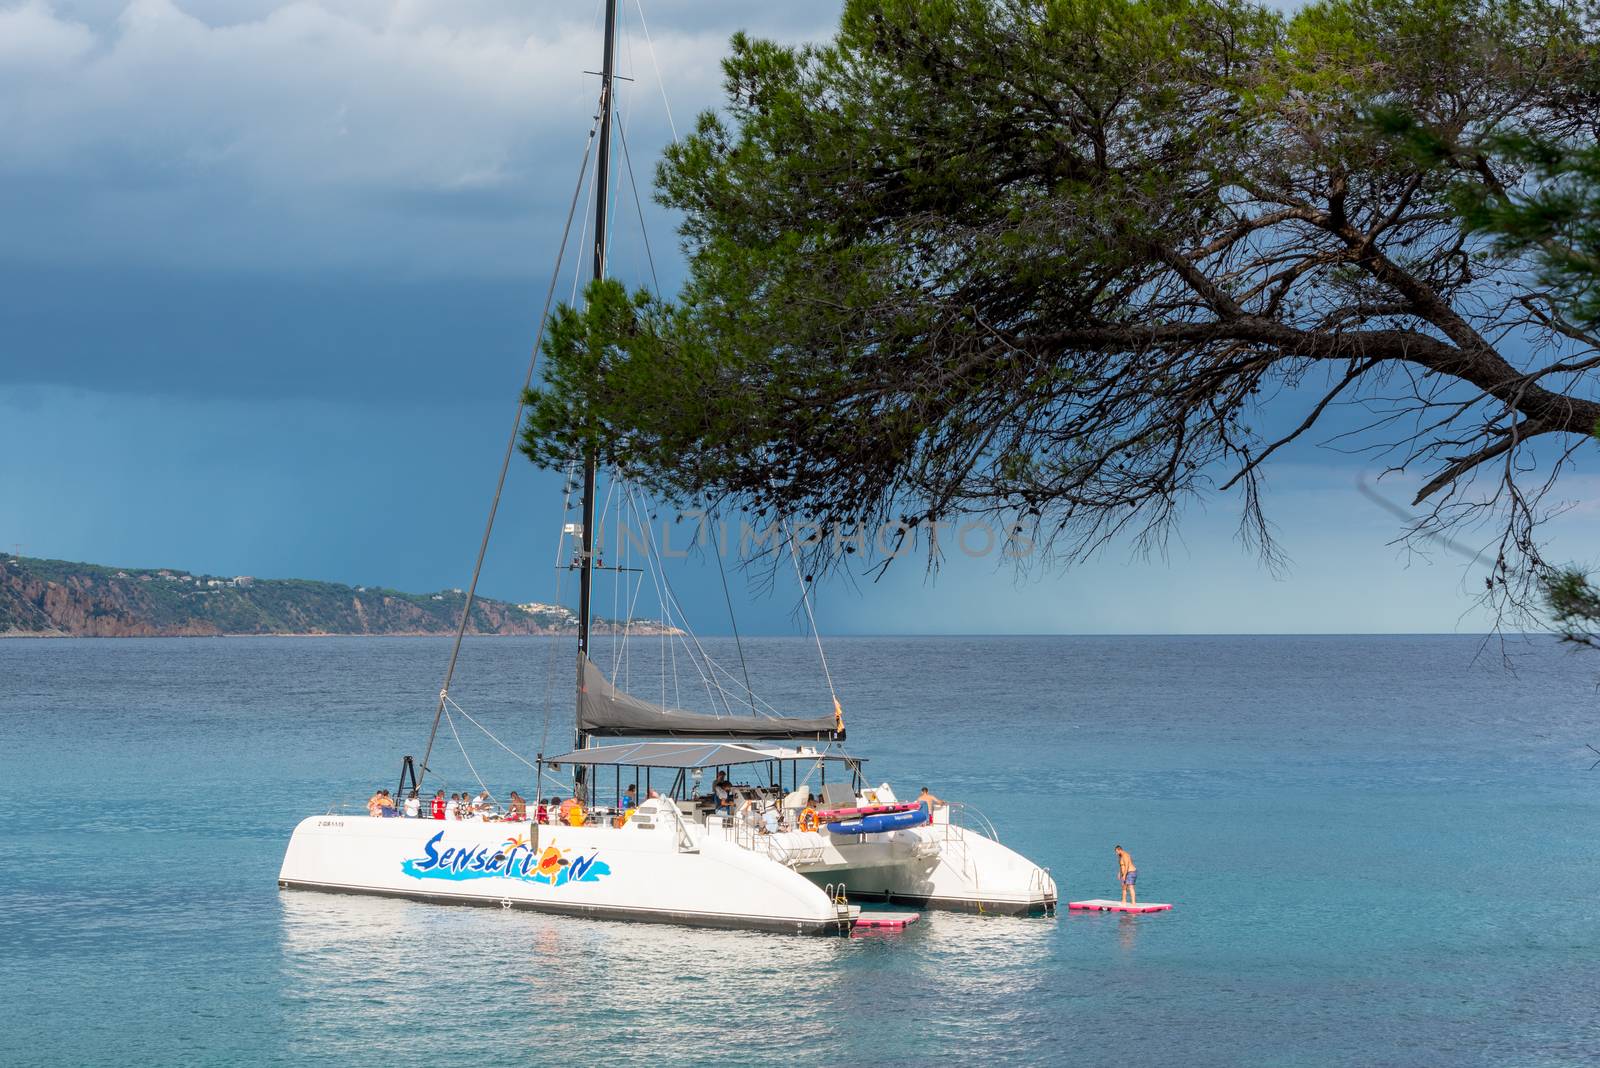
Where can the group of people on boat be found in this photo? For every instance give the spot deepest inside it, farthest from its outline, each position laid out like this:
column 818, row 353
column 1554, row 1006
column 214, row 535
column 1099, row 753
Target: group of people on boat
column 465, row 806
column 764, row 811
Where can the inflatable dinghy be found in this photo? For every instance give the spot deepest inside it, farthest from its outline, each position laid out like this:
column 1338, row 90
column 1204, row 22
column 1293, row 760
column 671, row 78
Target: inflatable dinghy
column 834, row 815
column 883, row 821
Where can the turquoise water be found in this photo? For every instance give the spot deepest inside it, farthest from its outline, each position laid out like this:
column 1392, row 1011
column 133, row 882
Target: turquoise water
column 1381, row 853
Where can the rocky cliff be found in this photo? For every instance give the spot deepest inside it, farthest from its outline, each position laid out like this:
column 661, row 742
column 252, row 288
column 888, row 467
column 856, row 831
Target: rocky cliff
column 61, row 598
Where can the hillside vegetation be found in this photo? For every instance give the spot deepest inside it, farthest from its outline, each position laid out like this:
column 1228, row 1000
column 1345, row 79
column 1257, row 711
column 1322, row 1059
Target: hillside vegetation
column 64, row 598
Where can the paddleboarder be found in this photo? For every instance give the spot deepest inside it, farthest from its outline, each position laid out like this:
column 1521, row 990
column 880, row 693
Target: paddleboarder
column 1127, row 874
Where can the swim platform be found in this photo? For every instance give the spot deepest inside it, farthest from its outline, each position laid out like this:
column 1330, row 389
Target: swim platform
column 1100, row 904
column 888, row 921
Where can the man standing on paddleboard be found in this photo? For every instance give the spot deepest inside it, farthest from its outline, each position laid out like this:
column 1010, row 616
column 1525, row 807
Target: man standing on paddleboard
column 1126, row 875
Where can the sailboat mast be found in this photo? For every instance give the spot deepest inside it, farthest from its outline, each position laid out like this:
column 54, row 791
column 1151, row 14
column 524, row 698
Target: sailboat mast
column 590, row 460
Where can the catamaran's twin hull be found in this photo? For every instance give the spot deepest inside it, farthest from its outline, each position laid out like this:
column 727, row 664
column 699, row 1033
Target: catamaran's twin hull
column 933, row 867
column 664, row 873
column 588, row 871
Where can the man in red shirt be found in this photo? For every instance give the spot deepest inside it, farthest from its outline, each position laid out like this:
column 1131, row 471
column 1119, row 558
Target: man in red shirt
column 436, row 810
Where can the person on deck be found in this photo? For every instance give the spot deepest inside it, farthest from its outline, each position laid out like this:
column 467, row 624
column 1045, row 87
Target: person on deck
column 722, row 790
column 372, row 803
column 542, row 812
column 749, row 810
column 630, row 798
column 519, row 808
column 573, row 815
column 385, row 803
column 482, row 803
column 927, row 801
column 1127, row 874
column 437, row 806
column 413, row 805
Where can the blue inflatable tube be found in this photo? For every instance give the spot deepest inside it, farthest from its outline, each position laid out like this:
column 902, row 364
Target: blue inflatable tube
column 888, row 821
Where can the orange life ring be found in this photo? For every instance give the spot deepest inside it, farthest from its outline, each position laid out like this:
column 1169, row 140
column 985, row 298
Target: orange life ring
column 808, row 819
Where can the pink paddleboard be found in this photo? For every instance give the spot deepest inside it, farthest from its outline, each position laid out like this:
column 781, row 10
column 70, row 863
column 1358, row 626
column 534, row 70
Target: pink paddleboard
column 834, row 815
column 887, row 921
column 1103, row 905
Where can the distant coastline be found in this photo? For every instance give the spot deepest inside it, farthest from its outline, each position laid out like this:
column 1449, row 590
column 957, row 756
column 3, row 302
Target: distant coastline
column 66, row 599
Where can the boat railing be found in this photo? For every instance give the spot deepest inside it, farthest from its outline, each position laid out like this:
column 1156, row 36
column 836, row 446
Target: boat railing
column 962, row 814
column 789, row 854
column 757, row 840
column 685, row 838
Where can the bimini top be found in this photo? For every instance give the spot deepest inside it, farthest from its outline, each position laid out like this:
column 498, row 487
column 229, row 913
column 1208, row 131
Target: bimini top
column 606, row 712
column 707, row 754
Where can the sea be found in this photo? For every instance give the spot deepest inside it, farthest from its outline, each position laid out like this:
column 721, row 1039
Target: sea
column 1379, row 851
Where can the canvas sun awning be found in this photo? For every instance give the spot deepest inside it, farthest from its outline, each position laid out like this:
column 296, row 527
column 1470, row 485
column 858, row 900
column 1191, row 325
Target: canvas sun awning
column 706, row 754
column 606, row 712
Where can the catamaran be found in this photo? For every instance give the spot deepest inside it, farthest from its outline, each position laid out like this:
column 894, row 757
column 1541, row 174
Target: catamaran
column 760, row 821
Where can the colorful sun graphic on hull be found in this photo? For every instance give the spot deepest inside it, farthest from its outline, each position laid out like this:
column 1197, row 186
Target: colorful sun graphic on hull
column 551, row 862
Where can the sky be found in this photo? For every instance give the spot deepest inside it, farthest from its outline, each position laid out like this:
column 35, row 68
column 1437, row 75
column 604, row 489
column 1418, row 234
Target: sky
column 270, row 277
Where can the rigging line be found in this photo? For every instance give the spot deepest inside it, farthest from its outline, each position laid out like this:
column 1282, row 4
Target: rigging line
column 448, row 718
column 583, row 236
column 488, row 732
column 732, row 622
column 625, row 104
column 624, row 557
column 805, row 599
column 550, row 647
column 666, row 611
column 638, row 204
column 505, row 463
column 624, row 554
column 617, row 649
column 554, row 779
column 666, row 584
column 716, row 666
column 658, row 576
column 619, row 636
column 650, row 46
column 709, row 675
column 611, row 208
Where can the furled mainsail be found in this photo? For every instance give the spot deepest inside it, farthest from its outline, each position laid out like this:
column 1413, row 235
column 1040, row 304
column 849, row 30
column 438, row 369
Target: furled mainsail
column 605, row 711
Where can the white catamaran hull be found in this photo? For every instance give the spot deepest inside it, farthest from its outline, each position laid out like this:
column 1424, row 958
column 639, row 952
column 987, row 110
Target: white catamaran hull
column 666, row 872
column 593, row 871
